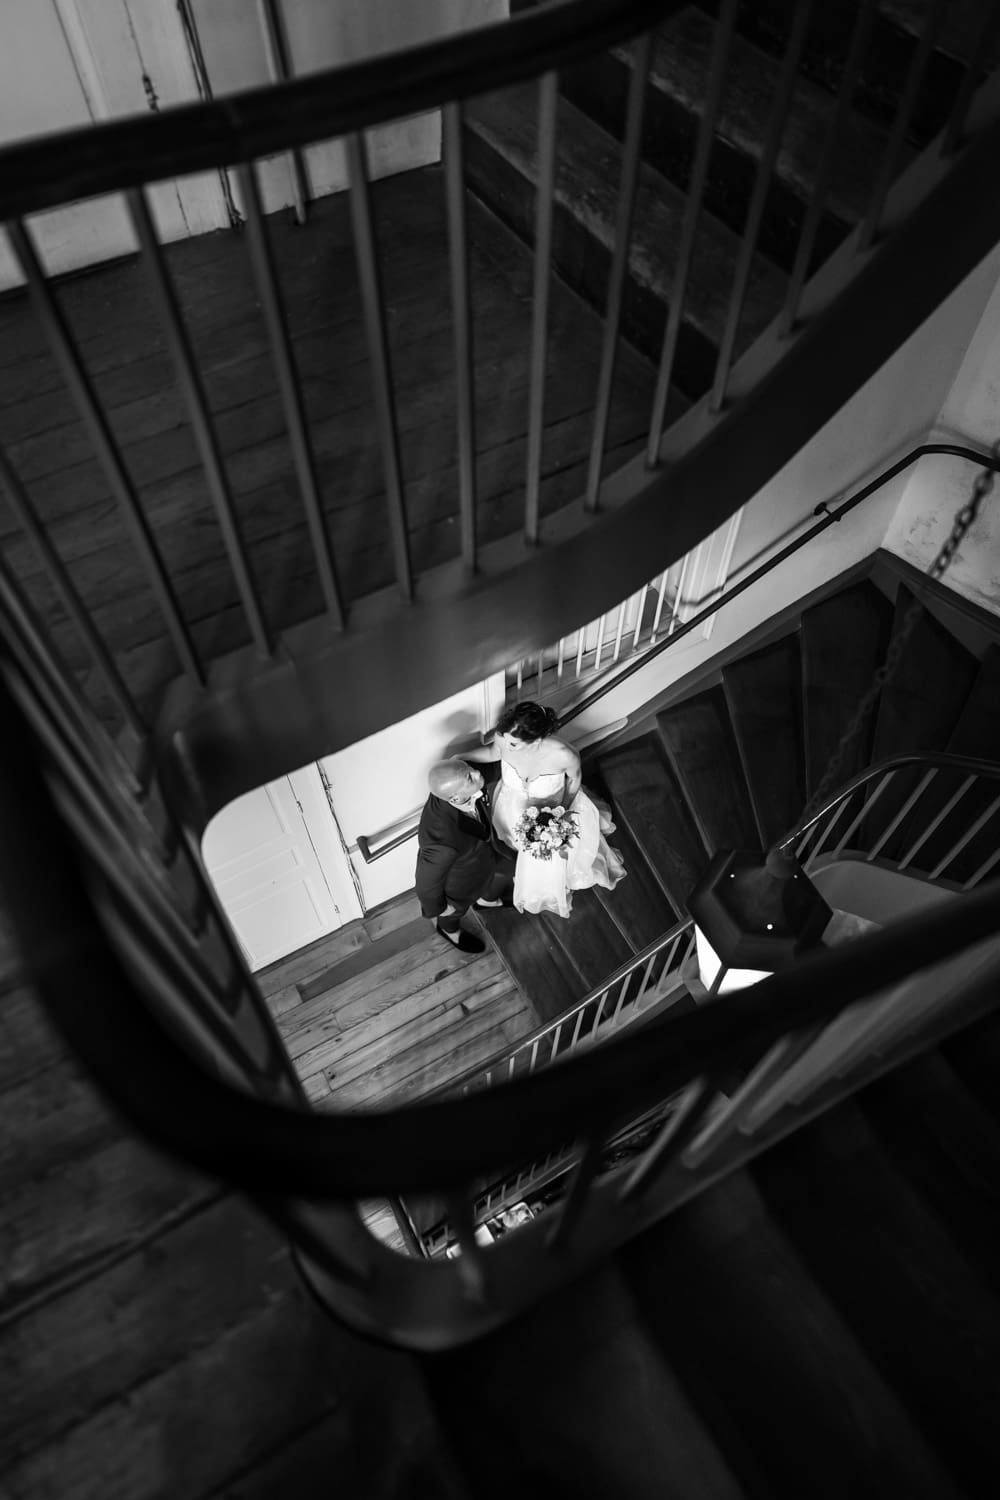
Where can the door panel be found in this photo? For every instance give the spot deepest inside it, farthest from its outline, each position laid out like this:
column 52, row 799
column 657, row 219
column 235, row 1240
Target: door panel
column 274, row 871
column 67, row 63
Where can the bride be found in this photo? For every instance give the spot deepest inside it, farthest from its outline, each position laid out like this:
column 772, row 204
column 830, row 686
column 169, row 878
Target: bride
column 539, row 770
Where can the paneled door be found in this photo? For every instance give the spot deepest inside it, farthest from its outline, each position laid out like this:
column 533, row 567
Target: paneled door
column 69, row 63
column 279, row 867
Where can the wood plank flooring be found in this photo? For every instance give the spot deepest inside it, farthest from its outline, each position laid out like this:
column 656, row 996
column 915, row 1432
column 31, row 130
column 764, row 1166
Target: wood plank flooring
column 386, row 1011
column 111, row 317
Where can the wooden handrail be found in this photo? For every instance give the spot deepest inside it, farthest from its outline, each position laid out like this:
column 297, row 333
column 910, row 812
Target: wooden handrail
column 548, row 1027
column 830, row 518
column 925, row 760
column 50, row 170
column 438, row 1146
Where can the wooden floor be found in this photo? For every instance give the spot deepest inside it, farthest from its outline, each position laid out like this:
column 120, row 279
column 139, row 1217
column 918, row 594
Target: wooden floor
column 111, row 317
column 385, row 1010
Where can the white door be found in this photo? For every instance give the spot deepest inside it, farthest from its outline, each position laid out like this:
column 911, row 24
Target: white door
column 278, row 865
column 66, row 63
column 318, row 34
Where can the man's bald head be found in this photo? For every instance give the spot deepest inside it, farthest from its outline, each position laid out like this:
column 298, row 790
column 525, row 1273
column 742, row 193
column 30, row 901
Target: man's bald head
column 453, row 780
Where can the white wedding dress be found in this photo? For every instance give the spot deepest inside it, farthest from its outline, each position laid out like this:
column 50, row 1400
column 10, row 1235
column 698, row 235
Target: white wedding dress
column 548, row 884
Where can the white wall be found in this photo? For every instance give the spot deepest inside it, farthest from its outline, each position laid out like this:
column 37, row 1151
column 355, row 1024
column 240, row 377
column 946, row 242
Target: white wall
column 950, row 366
column 64, row 63
column 383, row 779
column 970, row 415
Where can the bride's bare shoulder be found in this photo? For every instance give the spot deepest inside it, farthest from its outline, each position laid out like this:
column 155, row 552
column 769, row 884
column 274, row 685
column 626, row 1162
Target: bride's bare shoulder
column 562, row 756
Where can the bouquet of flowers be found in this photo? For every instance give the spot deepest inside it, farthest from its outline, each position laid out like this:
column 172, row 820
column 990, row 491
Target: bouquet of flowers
column 544, row 831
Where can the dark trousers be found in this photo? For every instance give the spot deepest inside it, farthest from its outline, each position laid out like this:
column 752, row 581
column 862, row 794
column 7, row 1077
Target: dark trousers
column 499, row 884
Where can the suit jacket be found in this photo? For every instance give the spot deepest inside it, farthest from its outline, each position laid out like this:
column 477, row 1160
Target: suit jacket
column 458, row 854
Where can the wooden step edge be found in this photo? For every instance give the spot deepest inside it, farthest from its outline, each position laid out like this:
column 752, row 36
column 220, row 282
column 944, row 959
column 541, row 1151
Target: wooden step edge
column 734, row 721
column 595, row 211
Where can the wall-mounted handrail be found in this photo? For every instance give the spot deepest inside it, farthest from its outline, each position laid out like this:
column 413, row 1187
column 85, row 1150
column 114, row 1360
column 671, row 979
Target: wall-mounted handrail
column 441, row 1145
column 639, row 662
column 830, row 518
column 61, row 167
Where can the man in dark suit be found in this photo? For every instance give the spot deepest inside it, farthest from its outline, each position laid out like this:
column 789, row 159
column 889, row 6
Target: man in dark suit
column 461, row 859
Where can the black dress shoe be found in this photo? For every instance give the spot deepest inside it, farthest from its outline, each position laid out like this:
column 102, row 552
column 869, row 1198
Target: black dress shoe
column 462, row 940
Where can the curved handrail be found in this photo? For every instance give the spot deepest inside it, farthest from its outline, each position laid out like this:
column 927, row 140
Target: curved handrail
column 525, row 1043
column 430, row 1147
column 929, row 760
column 50, row 170
column 638, row 663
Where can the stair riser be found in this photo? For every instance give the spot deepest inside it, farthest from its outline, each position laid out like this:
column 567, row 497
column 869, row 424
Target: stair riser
column 887, row 61
column 599, row 88
column 585, row 265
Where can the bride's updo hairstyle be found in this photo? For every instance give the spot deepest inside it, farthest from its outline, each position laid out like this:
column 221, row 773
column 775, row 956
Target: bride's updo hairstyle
column 527, row 721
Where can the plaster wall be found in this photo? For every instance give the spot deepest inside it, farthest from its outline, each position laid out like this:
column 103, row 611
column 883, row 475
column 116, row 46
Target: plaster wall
column 948, row 368
column 65, row 63
column 382, row 780
column 970, row 415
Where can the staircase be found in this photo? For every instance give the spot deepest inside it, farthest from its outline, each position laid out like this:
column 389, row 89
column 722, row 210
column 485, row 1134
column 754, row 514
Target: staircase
column 733, row 763
column 823, row 1322
column 503, row 169
column 826, row 1320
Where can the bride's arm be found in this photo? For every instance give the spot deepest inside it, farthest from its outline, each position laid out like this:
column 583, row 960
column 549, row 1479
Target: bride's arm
column 574, row 775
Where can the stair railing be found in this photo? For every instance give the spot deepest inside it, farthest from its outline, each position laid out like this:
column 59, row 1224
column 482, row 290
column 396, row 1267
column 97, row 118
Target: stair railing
column 126, row 156
column 645, row 650
column 623, row 641
column 932, row 815
column 119, row 929
column 184, row 1050
column 627, row 993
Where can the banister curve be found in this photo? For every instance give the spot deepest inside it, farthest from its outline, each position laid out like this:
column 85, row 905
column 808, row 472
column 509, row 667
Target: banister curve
column 927, row 760
column 50, row 170
column 459, row 631
column 639, row 662
column 145, row 1072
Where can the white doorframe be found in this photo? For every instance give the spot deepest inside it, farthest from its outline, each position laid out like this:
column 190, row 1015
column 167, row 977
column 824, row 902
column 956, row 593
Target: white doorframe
column 131, row 56
column 324, row 835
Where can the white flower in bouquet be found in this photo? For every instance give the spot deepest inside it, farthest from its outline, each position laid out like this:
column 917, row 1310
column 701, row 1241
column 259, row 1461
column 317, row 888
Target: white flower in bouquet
column 544, row 831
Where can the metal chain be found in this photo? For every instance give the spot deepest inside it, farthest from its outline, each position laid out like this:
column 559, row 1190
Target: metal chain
column 964, row 519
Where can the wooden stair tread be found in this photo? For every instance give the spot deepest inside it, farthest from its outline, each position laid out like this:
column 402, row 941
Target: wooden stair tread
column 315, row 266
column 976, row 731
column 764, row 694
column 917, row 710
column 647, row 800
column 590, row 939
column 609, row 1419
column 959, row 30
column 843, row 642
column 680, row 66
column 638, row 905
column 920, row 704
column 587, row 177
column 535, row 962
column 704, row 756
column 974, row 1053
column 897, row 1277
column 892, row 42
column 948, row 1147
column 775, row 1371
